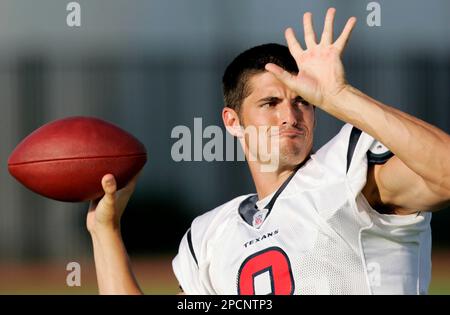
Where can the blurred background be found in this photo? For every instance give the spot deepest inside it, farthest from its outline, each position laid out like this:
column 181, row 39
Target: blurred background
column 150, row 65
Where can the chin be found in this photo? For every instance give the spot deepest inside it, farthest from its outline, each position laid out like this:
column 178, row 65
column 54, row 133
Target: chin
column 291, row 159
column 294, row 153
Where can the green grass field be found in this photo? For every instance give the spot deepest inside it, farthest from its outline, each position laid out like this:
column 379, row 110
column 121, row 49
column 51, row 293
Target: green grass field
column 154, row 275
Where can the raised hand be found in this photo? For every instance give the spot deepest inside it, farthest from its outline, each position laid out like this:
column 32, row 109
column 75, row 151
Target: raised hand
column 321, row 73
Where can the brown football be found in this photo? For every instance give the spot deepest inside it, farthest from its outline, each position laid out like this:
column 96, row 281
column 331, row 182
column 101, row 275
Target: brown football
column 66, row 159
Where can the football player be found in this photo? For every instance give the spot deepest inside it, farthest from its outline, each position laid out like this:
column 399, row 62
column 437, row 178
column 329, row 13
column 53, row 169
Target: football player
column 351, row 218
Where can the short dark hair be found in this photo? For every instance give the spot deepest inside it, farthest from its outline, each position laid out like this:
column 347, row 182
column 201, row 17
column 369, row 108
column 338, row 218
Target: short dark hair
column 250, row 62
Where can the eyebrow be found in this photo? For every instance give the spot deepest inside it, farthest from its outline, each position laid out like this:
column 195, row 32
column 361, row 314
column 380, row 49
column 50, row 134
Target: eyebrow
column 269, row 99
column 276, row 99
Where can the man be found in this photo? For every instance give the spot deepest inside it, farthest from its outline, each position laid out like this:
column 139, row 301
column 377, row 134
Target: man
column 352, row 218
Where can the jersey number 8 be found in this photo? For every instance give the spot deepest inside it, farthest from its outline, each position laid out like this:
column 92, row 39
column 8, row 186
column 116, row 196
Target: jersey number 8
column 266, row 272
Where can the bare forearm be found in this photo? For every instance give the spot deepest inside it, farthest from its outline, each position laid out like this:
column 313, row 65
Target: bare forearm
column 418, row 144
column 114, row 274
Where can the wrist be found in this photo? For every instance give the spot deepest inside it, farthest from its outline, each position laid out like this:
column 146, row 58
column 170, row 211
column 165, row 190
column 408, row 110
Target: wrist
column 332, row 99
column 101, row 229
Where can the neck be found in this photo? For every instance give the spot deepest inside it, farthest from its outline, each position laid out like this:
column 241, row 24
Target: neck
column 268, row 182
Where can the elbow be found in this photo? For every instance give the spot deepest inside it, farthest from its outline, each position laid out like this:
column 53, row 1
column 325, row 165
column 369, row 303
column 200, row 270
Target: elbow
column 439, row 197
column 444, row 201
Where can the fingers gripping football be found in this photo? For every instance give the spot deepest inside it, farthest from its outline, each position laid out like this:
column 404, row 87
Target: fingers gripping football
column 107, row 212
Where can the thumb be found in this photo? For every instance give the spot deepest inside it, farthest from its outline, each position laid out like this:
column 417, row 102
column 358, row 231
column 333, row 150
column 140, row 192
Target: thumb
column 287, row 78
column 109, row 186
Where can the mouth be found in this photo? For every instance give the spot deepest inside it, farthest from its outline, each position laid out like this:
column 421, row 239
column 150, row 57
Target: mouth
column 291, row 132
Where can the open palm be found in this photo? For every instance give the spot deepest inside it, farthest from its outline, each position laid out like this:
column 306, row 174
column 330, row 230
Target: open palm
column 321, row 73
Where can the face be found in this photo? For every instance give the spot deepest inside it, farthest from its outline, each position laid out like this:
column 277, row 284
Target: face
column 281, row 121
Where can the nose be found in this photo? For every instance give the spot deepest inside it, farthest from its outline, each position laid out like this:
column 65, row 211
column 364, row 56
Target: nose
column 290, row 114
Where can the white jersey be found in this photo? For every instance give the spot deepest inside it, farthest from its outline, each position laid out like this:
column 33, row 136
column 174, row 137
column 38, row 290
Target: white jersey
column 317, row 235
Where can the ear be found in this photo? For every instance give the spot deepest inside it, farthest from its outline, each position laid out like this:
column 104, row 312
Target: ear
column 231, row 121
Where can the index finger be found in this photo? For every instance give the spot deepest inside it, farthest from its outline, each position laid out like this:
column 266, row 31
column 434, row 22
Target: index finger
column 294, row 46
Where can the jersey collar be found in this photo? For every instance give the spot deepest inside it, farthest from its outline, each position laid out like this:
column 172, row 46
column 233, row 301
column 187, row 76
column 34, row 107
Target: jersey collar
column 249, row 211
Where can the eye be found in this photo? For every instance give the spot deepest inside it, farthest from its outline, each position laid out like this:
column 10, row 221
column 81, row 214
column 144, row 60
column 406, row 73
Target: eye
column 269, row 104
column 301, row 101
